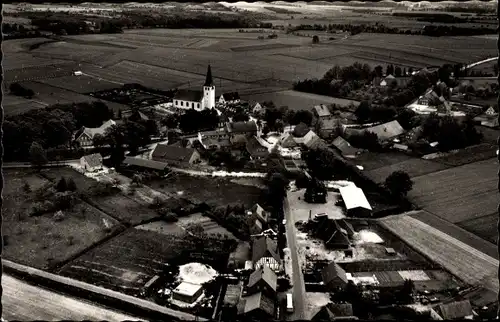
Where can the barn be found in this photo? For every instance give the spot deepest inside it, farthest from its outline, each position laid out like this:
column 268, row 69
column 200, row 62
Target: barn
column 355, row 201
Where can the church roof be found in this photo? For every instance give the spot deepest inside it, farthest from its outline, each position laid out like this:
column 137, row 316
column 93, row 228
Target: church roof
column 189, row 95
column 209, row 81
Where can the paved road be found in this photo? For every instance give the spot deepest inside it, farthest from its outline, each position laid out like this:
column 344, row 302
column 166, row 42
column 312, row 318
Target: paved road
column 299, row 290
column 25, row 302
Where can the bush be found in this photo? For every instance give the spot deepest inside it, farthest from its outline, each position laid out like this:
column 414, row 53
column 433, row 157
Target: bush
column 170, row 217
column 399, row 183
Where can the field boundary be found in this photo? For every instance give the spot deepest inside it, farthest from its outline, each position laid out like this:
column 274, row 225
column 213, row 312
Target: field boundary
column 94, row 293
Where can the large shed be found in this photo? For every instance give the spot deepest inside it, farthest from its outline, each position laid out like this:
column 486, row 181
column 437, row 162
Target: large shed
column 355, row 201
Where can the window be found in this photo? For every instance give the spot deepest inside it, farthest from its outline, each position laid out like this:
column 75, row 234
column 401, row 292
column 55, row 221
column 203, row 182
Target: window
column 182, row 103
column 198, row 105
column 176, row 102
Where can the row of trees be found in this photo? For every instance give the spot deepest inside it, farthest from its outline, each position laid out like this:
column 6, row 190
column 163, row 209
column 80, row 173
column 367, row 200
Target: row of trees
column 20, row 90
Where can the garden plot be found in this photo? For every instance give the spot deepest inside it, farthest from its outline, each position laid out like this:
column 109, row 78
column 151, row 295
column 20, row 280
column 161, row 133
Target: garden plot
column 208, row 224
column 299, row 208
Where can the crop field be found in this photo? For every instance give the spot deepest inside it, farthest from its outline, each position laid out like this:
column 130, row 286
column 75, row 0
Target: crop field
column 53, row 95
column 24, row 60
column 460, row 193
column 469, row 155
column 38, row 72
column 21, row 107
column 128, row 261
column 463, row 261
column 42, row 241
column 77, row 52
column 484, row 227
column 222, row 192
column 126, row 209
column 319, row 52
column 373, row 160
column 79, row 84
column 414, row 167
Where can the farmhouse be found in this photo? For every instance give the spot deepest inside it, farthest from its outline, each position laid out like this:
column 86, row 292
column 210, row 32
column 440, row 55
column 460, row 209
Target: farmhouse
column 198, row 100
column 355, row 201
column 256, row 149
column 229, row 98
column 332, row 312
column 262, row 280
column 334, row 277
column 187, row 292
column 345, row 147
column 91, row 162
column 265, row 253
column 239, row 131
column 257, row 306
column 86, row 135
column 387, row 131
column 322, row 112
column 454, row 310
column 491, row 111
column 328, row 126
column 175, row 155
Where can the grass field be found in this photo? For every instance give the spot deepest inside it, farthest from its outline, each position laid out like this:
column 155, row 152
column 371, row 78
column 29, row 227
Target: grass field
column 43, row 241
column 79, row 84
column 373, row 160
column 460, row 193
column 485, row 227
column 469, row 155
column 463, row 261
column 414, row 167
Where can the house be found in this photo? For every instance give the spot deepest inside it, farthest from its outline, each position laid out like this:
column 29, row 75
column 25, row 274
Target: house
column 345, row 148
column 387, row 131
column 138, row 116
column 258, row 212
column 257, row 306
column 322, row 112
column 455, row 310
column 85, row 135
column 491, row 111
column 257, row 108
column 175, row 155
column 265, row 253
column 388, row 80
column 262, row 280
column 287, row 141
column 256, row 149
column 355, row 201
column 229, row 98
column 333, row 277
column 77, row 73
column 194, row 99
column 91, row 162
column 299, row 131
column 239, row 131
column 328, row 126
column 145, row 163
column 310, row 139
column 187, row 292
column 332, row 312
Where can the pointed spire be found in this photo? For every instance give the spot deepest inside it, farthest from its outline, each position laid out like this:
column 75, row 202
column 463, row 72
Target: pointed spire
column 209, row 81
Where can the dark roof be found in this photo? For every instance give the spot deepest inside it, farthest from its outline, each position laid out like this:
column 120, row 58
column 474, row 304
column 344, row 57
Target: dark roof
column 94, row 160
column 189, row 95
column 172, row 153
column 253, row 145
column 266, row 274
column 264, row 247
column 300, row 130
column 145, row 163
column 260, row 213
column 342, row 223
column 332, row 271
column 208, row 80
column 258, row 301
column 231, row 96
column 338, row 238
column 242, row 127
column 344, row 146
column 455, row 310
column 331, row 311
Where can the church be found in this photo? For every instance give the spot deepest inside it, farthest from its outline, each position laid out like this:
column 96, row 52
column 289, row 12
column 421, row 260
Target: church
column 198, row 100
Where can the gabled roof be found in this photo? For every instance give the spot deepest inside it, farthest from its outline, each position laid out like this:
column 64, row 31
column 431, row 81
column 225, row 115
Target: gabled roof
column 101, row 130
column 342, row 223
column 145, row 163
column 260, row 212
column 345, row 147
column 338, row 238
column 172, row 153
column 189, row 95
column 258, row 301
column 332, row 271
column 310, row 139
column 264, row 247
column 93, row 160
column 209, row 80
column 331, row 311
column 388, row 77
column 322, row 110
column 242, row 127
column 287, row 141
column 253, row 146
column 263, row 274
column 455, row 310
column 354, row 197
column 231, row 96
column 257, row 106
column 387, row 130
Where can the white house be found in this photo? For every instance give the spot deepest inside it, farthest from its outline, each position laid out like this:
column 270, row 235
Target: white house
column 229, row 98
column 91, row 162
column 198, row 100
column 86, row 135
column 491, row 111
column 257, row 108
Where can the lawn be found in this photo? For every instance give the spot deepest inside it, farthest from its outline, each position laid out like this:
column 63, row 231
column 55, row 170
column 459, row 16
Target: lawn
column 126, row 262
column 414, row 167
column 460, row 193
column 53, row 95
column 43, row 241
column 463, row 261
column 213, row 191
column 21, row 106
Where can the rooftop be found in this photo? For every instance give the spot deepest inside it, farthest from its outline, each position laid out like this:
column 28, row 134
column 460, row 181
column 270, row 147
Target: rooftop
column 322, row 110
column 189, row 95
column 354, row 197
column 172, row 153
column 187, row 289
column 93, row 160
column 387, row 131
column 145, row 163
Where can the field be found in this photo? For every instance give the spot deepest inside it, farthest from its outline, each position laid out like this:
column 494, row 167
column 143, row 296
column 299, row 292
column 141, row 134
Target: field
column 215, row 191
column 43, row 241
column 463, row 261
column 79, row 84
column 373, row 160
column 460, row 193
column 414, row 167
column 468, row 155
column 485, row 226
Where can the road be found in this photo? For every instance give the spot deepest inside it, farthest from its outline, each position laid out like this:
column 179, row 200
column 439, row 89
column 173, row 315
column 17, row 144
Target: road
column 481, row 62
column 299, row 289
column 25, row 302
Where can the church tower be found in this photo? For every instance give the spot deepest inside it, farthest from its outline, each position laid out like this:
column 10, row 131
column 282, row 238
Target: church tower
column 208, row 91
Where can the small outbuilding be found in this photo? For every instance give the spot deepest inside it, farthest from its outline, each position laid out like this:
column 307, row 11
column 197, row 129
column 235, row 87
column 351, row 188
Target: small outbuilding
column 187, row 292
column 91, row 162
column 334, row 277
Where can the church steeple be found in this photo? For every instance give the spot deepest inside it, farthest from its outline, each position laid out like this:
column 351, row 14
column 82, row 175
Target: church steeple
column 209, row 81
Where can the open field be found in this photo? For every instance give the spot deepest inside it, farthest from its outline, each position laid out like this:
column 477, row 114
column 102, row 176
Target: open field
column 79, row 84
column 77, row 52
column 485, row 227
column 463, row 261
column 31, row 73
column 14, row 105
column 373, row 160
column 43, row 241
column 460, row 193
column 25, row 60
column 414, row 167
column 216, row 191
column 126, row 262
column 468, row 155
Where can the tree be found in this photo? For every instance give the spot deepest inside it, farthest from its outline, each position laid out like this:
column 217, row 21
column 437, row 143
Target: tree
column 315, row 39
column 430, row 126
column 405, row 117
column 379, row 71
column 61, row 185
column 302, row 181
column 71, row 185
column 279, row 126
column 98, row 140
column 389, row 70
column 241, row 117
column 398, row 71
column 399, row 183
column 277, row 185
column 195, row 229
column 363, row 111
column 38, row 156
column 405, row 73
column 406, row 291
column 137, row 179
column 495, row 69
